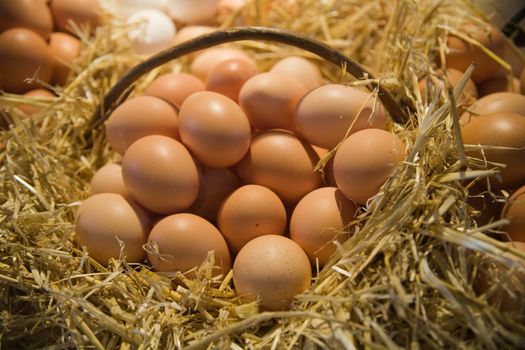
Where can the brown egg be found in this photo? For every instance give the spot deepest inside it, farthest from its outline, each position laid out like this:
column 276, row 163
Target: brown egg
column 30, row 14
column 499, row 102
column 514, row 210
column 64, row 48
column 206, row 61
column 215, row 185
column 84, row 13
column 160, row 174
column 181, row 242
column 175, row 87
column 503, row 130
column 469, row 94
column 214, row 128
column 269, row 100
column 138, row 117
column 272, row 269
column 190, row 32
column 461, row 53
column 277, row 159
column 40, row 94
column 108, row 179
column 193, row 12
column 229, row 76
column 23, row 55
column 325, row 114
column 301, row 69
column 522, row 81
column 364, row 161
column 499, row 84
column 105, row 219
column 250, row 211
column 321, row 217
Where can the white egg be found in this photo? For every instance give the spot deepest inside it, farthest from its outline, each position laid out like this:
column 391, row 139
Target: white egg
column 193, row 12
column 125, row 8
column 155, row 31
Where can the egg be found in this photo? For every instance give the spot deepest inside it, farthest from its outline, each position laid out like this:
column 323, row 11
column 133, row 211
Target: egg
column 461, row 53
column 40, row 94
column 503, row 130
column 269, row 100
column 301, row 69
column 30, row 14
column 181, row 242
column 23, row 55
column 248, row 212
column 499, row 102
column 64, row 48
column 514, row 210
column 364, row 161
column 205, row 61
column 175, row 87
column 129, row 7
column 189, row 32
column 108, row 179
column 215, row 185
column 321, row 217
column 324, row 115
column 273, row 270
column 83, row 13
column 160, row 174
column 152, row 31
column 229, row 76
column 193, row 12
column 277, row 159
column 499, row 84
column 139, row 117
column 105, row 220
column 214, row 128
column 469, row 94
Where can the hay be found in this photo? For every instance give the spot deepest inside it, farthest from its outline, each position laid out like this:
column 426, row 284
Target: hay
column 403, row 280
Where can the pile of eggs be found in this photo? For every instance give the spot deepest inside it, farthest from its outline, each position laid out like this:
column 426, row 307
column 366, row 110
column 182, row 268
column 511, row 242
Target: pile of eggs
column 223, row 158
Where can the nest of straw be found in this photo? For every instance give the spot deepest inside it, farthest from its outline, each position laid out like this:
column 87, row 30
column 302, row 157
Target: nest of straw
column 404, row 279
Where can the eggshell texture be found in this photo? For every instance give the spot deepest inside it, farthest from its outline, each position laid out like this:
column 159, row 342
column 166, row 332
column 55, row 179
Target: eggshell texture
column 461, row 53
column 500, row 102
column 160, row 174
column 64, row 48
column 183, row 242
column 503, row 129
column 30, row 14
column 250, row 211
column 105, row 219
column 42, row 94
column 206, row 61
column 469, row 94
column 214, row 128
column 215, row 185
column 23, row 54
column 499, row 84
column 175, row 87
column 301, row 69
column 193, row 12
column 325, row 114
column 514, row 210
column 319, row 218
column 108, row 179
column 364, row 161
column 269, row 100
column 84, row 13
column 138, row 117
column 272, row 269
column 152, row 31
column 229, row 76
column 277, row 159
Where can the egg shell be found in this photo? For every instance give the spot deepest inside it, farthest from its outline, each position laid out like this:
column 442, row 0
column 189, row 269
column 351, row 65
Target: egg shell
column 84, row 13
column 41, row 94
column 205, row 62
column 514, row 210
column 499, row 84
column 138, row 117
column 191, row 12
column 301, row 69
column 30, row 14
column 152, row 31
column 183, row 242
column 189, row 32
column 364, row 161
column 469, row 94
column 64, row 48
column 160, row 174
column 215, row 185
column 248, row 212
column 105, row 219
column 277, row 159
column 108, row 179
column 504, row 130
column 175, row 87
column 325, row 114
column 269, row 100
column 127, row 8
column 499, row 102
column 321, row 217
column 229, row 76
column 272, row 269
column 23, row 55
column 214, row 128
